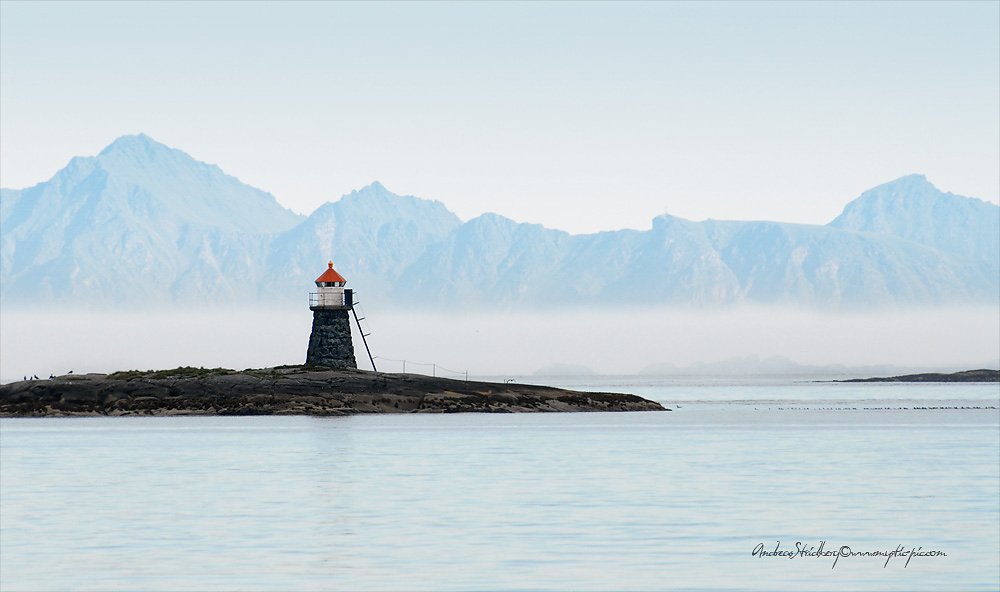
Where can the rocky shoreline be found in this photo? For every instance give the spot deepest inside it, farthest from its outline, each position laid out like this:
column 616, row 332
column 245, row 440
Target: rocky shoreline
column 289, row 390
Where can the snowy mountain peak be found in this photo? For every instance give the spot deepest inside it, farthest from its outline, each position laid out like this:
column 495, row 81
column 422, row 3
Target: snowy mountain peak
column 666, row 222
column 142, row 205
column 912, row 208
column 373, row 189
column 912, row 178
column 135, row 144
column 913, row 186
column 379, row 202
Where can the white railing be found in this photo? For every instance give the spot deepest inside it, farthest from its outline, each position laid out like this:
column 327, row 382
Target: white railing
column 321, row 300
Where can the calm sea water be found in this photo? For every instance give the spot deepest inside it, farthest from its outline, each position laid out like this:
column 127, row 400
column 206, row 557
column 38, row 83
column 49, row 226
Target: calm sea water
column 634, row 501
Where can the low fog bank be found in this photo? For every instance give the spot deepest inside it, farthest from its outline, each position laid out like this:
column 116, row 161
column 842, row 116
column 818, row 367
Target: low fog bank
column 652, row 341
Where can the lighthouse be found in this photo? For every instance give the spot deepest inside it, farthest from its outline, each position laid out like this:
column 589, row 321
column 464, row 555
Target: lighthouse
column 330, row 341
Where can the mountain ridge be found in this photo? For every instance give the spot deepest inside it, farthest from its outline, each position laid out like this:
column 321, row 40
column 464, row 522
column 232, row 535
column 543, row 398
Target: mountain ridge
column 142, row 223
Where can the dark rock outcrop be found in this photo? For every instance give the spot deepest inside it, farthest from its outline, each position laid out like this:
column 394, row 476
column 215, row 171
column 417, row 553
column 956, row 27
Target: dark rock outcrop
column 964, row 376
column 290, row 390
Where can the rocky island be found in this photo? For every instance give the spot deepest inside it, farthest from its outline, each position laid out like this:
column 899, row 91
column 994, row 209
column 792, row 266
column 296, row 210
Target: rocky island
column 982, row 375
column 289, row 390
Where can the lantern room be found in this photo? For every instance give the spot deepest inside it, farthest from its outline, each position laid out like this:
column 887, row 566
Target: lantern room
column 330, row 292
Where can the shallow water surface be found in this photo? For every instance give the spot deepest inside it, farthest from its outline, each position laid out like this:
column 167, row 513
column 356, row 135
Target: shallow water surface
column 601, row 501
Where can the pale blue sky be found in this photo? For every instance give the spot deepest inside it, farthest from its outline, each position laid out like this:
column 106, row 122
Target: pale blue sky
column 582, row 116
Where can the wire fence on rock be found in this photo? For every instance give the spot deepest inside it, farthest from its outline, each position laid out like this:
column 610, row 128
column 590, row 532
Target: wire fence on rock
column 436, row 369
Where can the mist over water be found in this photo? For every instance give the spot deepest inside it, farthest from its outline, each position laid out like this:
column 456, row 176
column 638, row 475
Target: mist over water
column 605, row 341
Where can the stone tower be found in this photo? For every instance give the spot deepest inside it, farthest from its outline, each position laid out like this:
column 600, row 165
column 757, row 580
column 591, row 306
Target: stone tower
column 330, row 341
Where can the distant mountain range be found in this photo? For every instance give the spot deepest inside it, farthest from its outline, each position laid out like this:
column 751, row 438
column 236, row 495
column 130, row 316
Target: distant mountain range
column 143, row 224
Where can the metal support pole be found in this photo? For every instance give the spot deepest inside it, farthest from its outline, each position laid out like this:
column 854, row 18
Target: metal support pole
column 365, row 341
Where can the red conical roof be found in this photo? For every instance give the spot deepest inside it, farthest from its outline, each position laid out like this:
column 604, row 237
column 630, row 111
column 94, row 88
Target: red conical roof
column 330, row 276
